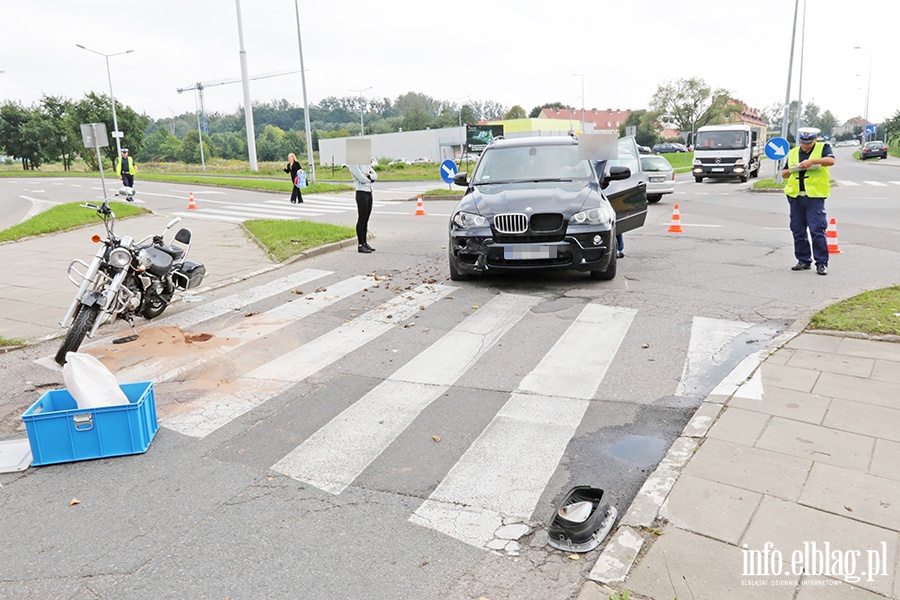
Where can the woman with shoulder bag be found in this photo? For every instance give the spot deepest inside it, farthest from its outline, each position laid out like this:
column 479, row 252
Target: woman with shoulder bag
column 293, row 167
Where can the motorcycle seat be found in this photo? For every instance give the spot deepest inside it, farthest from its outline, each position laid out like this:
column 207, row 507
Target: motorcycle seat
column 172, row 250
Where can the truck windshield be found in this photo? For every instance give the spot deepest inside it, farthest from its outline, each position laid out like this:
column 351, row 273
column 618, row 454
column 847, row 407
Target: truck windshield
column 721, row 140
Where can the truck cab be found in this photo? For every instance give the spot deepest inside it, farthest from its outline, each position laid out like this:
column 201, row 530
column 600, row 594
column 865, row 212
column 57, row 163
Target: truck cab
column 726, row 151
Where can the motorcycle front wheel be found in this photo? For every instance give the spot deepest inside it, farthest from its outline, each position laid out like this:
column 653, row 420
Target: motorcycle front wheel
column 81, row 325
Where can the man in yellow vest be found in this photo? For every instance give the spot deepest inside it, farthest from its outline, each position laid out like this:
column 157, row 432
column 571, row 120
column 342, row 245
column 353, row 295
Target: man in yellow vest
column 807, row 186
column 125, row 168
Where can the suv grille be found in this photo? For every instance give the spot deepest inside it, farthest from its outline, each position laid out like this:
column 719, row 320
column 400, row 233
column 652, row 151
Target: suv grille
column 511, row 223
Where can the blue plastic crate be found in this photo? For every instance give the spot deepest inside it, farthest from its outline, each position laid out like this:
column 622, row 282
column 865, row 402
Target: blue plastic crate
column 59, row 431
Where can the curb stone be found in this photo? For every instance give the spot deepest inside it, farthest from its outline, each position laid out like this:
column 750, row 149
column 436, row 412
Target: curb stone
column 620, row 554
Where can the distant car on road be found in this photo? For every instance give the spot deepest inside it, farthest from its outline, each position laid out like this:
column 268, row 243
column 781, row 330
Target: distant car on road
column 667, row 147
column 660, row 177
column 873, row 149
column 399, row 161
column 644, row 149
column 422, row 161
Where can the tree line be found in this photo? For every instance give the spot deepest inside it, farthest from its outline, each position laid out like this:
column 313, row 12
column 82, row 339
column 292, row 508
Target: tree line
column 49, row 130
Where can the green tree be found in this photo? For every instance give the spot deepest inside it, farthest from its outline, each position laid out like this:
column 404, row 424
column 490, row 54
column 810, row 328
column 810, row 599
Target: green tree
column 516, row 112
column 691, row 103
column 645, row 124
column 190, row 148
column 64, row 141
column 97, row 108
column 231, row 145
column 270, row 144
column 23, row 133
column 160, row 146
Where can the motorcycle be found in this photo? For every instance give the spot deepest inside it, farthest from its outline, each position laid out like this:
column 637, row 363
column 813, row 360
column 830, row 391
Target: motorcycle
column 126, row 278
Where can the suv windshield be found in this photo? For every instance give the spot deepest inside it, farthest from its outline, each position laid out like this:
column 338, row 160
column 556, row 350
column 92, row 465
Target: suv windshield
column 531, row 163
column 721, row 140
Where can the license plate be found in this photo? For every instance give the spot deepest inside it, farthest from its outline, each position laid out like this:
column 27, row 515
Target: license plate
column 718, row 169
column 528, row 252
column 657, row 179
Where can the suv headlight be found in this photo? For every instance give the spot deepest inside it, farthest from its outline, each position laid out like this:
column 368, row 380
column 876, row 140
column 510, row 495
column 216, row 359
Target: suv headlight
column 466, row 220
column 593, row 216
column 120, row 258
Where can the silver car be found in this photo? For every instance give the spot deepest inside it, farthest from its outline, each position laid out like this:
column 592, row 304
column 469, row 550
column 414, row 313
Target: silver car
column 660, row 177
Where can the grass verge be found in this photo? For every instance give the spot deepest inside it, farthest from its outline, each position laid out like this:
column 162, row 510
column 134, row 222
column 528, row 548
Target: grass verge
column 7, row 342
column 875, row 313
column 284, row 239
column 63, row 217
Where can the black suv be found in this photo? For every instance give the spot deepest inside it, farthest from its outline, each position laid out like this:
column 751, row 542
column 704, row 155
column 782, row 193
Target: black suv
column 538, row 203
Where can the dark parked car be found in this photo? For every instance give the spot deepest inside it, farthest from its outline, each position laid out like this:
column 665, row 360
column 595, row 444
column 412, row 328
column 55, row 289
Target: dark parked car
column 667, row 147
column 873, row 149
column 536, row 203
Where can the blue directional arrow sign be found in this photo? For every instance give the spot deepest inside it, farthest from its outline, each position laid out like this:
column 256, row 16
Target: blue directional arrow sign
column 871, row 129
column 777, row 148
column 448, row 170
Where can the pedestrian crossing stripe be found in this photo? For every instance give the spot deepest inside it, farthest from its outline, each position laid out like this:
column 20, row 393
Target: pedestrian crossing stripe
column 334, row 456
column 876, row 183
column 502, row 475
column 708, row 338
column 206, row 414
column 248, row 330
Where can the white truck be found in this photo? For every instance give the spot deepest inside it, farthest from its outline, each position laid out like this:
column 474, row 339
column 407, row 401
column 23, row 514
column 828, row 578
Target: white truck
column 726, row 151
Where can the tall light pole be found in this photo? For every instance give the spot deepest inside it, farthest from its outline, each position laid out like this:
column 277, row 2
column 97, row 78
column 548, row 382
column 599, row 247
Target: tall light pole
column 582, row 99
column 311, row 176
column 248, row 105
column 787, row 94
column 362, row 130
column 116, row 134
column 459, row 107
column 868, row 89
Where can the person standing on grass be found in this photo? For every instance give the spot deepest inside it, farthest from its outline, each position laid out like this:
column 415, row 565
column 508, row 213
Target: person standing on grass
column 293, row 167
column 363, row 176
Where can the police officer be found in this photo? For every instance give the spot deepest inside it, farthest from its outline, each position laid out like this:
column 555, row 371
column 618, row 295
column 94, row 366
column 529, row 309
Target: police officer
column 807, row 186
column 126, row 173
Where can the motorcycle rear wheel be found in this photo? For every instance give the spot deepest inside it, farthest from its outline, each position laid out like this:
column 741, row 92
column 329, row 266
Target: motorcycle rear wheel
column 81, row 325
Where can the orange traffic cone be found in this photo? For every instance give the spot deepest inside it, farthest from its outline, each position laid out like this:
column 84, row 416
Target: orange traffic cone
column 831, row 236
column 675, row 226
column 191, row 204
column 420, row 208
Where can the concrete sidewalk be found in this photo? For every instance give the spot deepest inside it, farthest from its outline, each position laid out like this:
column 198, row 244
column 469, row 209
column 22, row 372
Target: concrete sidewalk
column 35, row 293
column 785, row 484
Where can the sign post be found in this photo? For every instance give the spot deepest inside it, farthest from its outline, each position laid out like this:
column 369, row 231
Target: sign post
column 93, row 135
column 777, row 149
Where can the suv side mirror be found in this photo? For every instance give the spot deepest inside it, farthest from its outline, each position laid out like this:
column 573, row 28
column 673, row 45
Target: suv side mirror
column 461, row 179
column 617, row 173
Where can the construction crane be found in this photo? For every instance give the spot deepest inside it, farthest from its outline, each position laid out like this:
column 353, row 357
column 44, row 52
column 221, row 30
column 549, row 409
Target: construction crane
column 200, row 86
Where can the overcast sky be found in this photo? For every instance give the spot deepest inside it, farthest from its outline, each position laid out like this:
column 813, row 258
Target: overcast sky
column 510, row 51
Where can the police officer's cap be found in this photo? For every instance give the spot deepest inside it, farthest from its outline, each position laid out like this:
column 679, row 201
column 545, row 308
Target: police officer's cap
column 124, row 150
column 808, row 134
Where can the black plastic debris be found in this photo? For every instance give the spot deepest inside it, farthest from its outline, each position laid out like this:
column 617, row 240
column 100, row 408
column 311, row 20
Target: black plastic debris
column 582, row 520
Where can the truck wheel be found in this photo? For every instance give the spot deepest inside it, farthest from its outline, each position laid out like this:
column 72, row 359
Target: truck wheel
column 698, row 179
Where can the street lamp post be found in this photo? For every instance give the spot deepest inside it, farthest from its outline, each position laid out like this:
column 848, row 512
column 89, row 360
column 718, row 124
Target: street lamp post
column 362, row 130
column 459, row 107
column 311, row 176
column 868, row 89
column 116, row 133
column 582, row 99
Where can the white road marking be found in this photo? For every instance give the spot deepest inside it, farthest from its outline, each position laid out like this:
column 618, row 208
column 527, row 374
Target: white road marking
column 249, row 329
column 708, row 338
column 333, row 457
column 209, row 217
column 217, row 408
column 876, row 183
column 501, row 477
column 848, row 183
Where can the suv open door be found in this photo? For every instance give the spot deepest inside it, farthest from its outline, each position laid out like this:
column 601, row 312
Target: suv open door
column 627, row 196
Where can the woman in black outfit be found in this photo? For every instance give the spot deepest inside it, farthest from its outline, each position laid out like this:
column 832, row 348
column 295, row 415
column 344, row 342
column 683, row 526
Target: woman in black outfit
column 293, row 167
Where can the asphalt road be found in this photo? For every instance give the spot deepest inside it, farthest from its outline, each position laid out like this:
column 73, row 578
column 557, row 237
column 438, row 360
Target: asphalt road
column 382, row 432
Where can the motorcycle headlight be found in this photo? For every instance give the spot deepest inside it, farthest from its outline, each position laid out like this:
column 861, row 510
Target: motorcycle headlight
column 120, row 258
column 466, row 220
column 593, row 216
